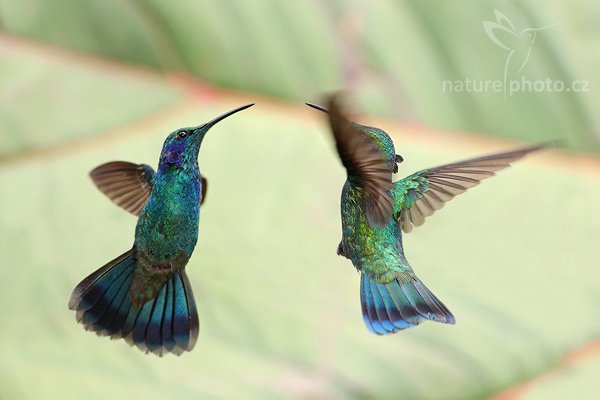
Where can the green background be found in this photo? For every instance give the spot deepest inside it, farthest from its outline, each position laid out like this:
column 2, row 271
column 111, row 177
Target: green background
column 82, row 83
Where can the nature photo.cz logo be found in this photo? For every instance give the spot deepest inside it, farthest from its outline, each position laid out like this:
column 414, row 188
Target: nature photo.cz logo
column 518, row 45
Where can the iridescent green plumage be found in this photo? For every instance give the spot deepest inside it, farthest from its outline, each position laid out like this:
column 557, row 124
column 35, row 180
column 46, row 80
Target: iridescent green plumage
column 144, row 295
column 392, row 297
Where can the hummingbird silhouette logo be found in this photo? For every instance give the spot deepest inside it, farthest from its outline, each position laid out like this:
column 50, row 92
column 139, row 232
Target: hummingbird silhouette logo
column 518, row 44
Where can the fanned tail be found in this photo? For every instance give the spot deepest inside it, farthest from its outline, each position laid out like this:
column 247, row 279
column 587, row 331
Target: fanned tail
column 166, row 324
column 389, row 308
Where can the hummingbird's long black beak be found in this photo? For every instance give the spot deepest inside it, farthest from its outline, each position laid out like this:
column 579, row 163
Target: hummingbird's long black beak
column 221, row 117
column 316, row 107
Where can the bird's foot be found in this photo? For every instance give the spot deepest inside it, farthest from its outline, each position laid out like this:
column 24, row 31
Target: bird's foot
column 340, row 250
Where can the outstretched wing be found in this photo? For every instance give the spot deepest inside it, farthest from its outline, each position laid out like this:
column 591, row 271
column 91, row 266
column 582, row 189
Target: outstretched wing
column 128, row 185
column 424, row 192
column 366, row 166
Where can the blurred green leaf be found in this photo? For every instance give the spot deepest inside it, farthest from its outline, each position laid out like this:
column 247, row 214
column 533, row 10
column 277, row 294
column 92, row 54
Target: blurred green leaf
column 280, row 315
column 562, row 384
column 395, row 55
column 515, row 260
column 46, row 100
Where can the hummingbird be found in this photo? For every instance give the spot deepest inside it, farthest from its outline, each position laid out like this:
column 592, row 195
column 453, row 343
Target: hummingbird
column 144, row 295
column 375, row 211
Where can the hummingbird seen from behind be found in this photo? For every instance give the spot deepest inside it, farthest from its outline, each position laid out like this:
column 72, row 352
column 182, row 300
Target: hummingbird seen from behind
column 375, row 211
column 144, row 295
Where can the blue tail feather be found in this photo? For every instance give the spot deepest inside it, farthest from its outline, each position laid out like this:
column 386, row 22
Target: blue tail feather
column 388, row 308
column 185, row 316
column 368, row 309
column 168, row 323
column 105, row 324
column 180, row 317
column 381, row 310
column 92, row 288
column 392, row 310
column 104, row 305
column 138, row 334
column 408, row 314
column 427, row 308
column 103, row 301
column 153, row 331
column 167, row 328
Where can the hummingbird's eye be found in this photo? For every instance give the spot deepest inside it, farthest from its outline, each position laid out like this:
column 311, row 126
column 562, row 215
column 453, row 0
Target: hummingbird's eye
column 182, row 134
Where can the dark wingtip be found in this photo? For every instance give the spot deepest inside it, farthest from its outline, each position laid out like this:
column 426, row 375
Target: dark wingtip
column 541, row 146
column 555, row 143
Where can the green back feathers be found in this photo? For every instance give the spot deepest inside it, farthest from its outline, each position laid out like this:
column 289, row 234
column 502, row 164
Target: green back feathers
column 382, row 140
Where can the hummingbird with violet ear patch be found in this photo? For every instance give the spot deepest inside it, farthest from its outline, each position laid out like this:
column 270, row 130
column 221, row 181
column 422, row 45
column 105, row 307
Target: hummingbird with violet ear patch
column 376, row 210
column 144, row 295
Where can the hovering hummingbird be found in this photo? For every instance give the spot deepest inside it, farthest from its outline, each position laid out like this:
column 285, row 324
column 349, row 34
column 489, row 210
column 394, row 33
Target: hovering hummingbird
column 376, row 210
column 144, row 295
